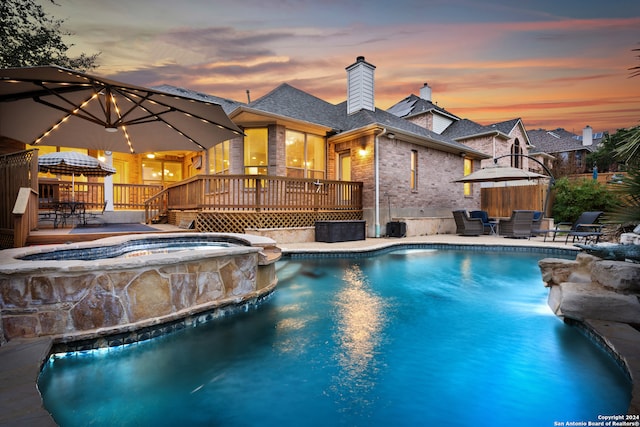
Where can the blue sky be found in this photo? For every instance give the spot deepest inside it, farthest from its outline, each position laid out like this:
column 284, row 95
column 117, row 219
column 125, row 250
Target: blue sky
column 552, row 63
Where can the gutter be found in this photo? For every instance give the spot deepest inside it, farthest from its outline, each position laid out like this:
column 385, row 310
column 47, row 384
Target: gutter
column 376, row 161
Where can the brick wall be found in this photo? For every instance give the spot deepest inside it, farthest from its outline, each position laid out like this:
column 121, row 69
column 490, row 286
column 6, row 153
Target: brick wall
column 436, row 195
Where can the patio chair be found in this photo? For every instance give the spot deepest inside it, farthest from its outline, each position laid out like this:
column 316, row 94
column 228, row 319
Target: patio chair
column 586, row 227
column 536, row 224
column 467, row 226
column 93, row 215
column 518, row 226
column 484, row 216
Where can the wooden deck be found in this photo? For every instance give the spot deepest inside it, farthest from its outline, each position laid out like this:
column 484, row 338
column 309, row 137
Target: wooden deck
column 50, row 236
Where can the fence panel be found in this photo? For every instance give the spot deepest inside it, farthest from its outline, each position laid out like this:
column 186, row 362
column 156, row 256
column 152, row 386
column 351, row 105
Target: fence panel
column 501, row 201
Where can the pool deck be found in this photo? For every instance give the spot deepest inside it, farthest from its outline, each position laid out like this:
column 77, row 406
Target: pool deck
column 21, row 360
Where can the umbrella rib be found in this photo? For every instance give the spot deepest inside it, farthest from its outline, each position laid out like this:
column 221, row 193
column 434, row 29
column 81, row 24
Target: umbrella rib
column 65, row 118
column 170, row 108
column 86, row 115
column 76, row 108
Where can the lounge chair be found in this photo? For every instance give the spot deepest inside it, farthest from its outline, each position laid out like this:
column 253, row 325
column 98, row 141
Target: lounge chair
column 466, row 225
column 484, row 216
column 518, row 226
column 586, row 227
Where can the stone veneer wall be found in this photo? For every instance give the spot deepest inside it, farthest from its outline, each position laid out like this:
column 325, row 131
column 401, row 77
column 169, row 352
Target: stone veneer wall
column 71, row 300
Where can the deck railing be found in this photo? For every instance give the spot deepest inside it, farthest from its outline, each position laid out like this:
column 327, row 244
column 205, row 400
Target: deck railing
column 125, row 196
column 255, row 193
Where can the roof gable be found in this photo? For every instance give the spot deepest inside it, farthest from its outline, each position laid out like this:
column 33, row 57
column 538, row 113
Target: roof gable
column 506, row 127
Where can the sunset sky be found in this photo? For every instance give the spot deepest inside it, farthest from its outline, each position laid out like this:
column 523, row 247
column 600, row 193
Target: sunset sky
column 553, row 63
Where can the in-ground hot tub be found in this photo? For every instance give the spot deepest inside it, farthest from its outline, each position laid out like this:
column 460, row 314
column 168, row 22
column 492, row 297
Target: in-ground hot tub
column 129, row 288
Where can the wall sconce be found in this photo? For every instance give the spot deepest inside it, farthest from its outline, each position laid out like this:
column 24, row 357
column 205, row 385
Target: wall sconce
column 363, row 149
column 391, row 136
column 463, row 154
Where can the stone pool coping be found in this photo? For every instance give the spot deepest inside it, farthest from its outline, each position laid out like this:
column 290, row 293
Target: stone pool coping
column 21, row 360
column 11, row 261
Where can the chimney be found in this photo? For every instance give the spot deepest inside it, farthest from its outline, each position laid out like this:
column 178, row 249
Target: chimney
column 587, row 135
column 425, row 92
column 360, row 93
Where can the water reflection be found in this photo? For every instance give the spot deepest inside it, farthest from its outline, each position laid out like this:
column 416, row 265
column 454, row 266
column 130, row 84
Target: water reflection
column 360, row 321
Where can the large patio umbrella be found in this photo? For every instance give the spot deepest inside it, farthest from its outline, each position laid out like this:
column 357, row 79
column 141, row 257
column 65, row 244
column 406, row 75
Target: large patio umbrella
column 497, row 173
column 73, row 163
column 57, row 106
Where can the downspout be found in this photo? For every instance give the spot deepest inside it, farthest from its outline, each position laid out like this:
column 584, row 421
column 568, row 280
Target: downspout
column 376, row 161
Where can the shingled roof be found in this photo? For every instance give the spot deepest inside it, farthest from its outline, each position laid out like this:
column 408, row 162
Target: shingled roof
column 290, row 102
column 558, row 141
column 465, row 128
column 287, row 101
column 227, row 105
column 413, row 105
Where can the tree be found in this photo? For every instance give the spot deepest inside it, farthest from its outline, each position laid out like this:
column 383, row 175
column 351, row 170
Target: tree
column 604, row 158
column 30, row 37
column 628, row 152
column 572, row 197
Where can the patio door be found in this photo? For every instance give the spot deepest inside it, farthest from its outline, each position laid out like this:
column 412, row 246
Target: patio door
column 344, row 174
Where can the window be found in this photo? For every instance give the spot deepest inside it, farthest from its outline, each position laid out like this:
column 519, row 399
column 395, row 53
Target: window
column 468, row 168
column 161, row 172
column 219, row 159
column 256, row 146
column 305, row 155
column 414, row 170
column 516, row 151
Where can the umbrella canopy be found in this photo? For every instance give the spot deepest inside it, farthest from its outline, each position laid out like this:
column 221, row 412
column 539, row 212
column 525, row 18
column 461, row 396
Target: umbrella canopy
column 500, row 173
column 73, row 163
column 57, row 106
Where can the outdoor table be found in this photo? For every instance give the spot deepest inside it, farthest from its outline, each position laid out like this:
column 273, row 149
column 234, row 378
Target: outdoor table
column 493, row 226
column 70, row 210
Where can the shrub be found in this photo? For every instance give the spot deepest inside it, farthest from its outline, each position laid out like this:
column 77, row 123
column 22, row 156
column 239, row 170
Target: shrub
column 574, row 197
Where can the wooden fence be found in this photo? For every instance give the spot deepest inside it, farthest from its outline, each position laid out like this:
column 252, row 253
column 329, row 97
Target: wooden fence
column 501, row 201
column 16, row 171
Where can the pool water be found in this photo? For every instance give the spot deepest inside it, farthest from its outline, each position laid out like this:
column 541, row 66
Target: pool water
column 408, row 338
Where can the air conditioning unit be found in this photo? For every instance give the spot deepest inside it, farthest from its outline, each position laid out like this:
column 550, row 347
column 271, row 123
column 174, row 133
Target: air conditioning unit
column 396, row 229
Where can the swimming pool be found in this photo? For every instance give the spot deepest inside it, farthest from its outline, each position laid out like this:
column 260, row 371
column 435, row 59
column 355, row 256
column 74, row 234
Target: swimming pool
column 412, row 337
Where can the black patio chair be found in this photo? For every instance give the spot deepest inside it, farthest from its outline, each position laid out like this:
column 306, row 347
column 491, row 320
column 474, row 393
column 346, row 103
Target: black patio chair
column 586, row 227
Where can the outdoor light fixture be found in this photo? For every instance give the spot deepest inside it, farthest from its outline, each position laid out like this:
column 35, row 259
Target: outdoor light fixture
column 111, row 129
column 391, row 135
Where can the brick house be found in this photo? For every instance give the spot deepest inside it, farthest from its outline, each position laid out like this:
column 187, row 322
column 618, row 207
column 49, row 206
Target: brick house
column 407, row 170
column 565, row 152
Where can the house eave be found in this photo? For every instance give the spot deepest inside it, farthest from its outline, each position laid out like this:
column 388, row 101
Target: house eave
column 409, row 137
column 482, row 134
column 247, row 117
